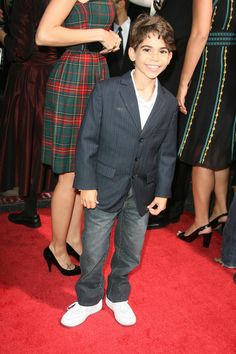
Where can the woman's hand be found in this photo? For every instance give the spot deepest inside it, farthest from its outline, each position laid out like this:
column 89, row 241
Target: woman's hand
column 181, row 95
column 110, row 42
column 2, row 36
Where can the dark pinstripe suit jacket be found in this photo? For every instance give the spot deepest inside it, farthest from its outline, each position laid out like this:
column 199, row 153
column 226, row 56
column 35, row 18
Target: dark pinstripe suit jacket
column 114, row 153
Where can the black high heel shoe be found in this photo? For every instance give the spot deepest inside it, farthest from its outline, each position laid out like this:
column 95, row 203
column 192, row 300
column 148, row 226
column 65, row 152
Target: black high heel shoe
column 51, row 259
column 195, row 234
column 72, row 252
column 216, row 223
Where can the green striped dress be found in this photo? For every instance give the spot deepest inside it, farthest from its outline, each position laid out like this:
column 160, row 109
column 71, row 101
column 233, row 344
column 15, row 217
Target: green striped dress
column 207, row 134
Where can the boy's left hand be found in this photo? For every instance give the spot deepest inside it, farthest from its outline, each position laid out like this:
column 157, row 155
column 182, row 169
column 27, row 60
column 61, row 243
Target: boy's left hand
column 89, row 198
column 157, row 205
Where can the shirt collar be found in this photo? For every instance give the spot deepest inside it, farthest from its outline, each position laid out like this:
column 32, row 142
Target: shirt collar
column 125, row 25
column 154, row 95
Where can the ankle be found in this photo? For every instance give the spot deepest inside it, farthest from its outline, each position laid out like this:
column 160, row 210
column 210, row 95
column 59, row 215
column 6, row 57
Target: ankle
column 203, row 223
column 62, row 257
column 57, row 250
column 75, row 244
column 218, row 211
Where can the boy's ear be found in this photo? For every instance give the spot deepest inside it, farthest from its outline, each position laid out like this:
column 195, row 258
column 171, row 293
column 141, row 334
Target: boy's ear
column 170, row 56
column 131, row 53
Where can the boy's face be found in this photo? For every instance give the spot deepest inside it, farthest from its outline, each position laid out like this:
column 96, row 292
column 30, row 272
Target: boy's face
column 151, row 57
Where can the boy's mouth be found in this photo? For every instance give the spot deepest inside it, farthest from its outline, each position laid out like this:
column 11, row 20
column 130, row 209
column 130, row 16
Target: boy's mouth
column 153, row 67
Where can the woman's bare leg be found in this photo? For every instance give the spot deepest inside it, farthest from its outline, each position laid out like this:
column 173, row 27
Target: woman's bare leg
column 62, row 205
column 203, row 185
column 221, row 192
column 74, row 232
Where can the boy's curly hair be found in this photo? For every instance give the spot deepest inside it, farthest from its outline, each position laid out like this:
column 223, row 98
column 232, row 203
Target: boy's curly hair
column 145, row 25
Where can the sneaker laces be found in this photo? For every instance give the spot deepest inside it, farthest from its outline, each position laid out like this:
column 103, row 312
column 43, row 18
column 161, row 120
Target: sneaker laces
column 75, row 305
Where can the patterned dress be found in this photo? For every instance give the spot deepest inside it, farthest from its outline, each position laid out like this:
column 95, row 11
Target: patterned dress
column 207, row 133
column 71, row 81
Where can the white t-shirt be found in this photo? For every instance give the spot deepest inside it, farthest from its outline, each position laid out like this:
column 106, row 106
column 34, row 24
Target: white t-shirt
column 145, row 107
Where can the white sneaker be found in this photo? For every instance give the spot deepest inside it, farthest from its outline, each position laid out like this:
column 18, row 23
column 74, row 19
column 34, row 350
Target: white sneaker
column 77, row 314
column 123, row 312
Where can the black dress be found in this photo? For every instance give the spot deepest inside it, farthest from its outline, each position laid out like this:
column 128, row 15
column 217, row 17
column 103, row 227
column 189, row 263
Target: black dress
column 207, row 134
column 179, row 15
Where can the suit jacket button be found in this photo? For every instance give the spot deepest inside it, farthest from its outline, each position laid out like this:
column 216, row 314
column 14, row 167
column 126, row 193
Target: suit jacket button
column 141, row 140
column 136, row 159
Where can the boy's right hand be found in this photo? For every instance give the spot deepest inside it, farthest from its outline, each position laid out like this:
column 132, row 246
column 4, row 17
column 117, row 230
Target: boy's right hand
column 89, row 198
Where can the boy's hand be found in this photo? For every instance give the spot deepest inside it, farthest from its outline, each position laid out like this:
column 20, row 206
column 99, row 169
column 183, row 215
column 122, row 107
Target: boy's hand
column 157, row 205
column 89, row 198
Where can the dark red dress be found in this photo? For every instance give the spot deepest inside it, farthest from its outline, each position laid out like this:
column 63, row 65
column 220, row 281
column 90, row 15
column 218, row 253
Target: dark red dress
column 21, row 119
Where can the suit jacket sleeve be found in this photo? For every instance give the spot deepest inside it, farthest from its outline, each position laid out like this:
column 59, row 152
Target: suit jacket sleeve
column 167, row 159
column 88, row 143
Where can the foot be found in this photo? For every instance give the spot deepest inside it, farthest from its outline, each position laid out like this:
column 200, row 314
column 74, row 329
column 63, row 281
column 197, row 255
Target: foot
column 219, row 260
column 218, row 220
column 193, row 228
column 72, row 251
column 32, row 221
column 220, row 214
column 123, row 312
column 62, row 257
column 76, row 314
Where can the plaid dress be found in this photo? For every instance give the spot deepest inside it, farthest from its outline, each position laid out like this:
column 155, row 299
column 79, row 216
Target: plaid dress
column 70, row 83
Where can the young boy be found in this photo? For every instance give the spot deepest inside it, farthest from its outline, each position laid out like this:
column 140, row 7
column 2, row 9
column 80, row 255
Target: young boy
column 126, row 156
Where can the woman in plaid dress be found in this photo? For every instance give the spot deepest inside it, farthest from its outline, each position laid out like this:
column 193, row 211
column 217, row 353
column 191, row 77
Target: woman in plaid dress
column 83, row 28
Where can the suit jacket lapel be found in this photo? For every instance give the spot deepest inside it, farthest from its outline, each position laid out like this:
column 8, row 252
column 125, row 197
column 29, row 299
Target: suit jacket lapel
column 128, row 95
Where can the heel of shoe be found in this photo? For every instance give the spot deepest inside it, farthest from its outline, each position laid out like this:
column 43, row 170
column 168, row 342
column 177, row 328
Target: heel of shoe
column 48, row 259
column 49, row 265
column 207, row 240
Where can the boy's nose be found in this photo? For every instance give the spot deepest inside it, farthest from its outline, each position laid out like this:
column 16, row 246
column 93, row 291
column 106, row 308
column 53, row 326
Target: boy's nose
column 155, row 56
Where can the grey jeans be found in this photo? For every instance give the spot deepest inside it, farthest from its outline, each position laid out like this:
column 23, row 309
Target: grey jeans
column 129, row 237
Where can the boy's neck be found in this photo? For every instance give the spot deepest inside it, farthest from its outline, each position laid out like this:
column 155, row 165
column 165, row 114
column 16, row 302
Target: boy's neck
column 144, row 86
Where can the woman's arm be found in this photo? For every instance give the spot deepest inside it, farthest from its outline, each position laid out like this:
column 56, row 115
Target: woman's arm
column 52, row 33
column 2, row 36
column 201, row 22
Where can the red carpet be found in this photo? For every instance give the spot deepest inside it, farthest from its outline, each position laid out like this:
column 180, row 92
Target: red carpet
column 184, row 301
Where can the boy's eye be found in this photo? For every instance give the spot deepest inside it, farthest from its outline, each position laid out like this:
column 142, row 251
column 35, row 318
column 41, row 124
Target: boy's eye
column 164, row 51
column 146, row 49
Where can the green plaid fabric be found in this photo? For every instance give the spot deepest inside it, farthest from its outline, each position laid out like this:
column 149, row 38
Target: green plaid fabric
column 71, row 81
